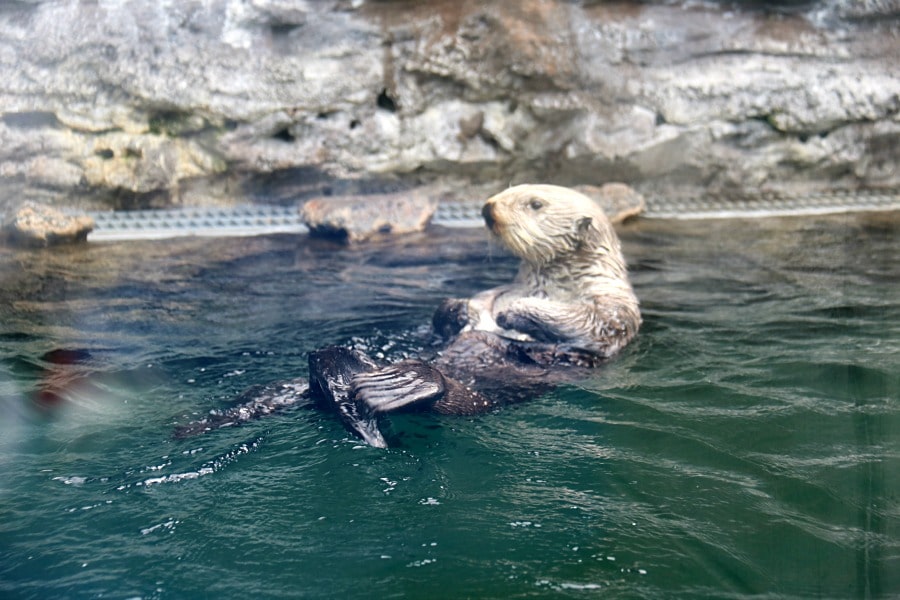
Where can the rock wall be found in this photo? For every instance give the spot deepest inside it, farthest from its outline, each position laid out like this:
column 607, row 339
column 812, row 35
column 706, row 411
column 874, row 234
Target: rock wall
column 135, row 104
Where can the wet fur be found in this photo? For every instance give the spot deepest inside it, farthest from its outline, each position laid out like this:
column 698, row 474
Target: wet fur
column 572, row 286
column 569, row 308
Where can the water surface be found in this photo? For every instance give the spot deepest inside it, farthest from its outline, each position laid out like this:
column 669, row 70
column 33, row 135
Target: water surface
column 746, row 445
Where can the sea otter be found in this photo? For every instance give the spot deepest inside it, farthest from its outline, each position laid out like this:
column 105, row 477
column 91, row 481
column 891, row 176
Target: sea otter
column 572, row 287
column 570, row 307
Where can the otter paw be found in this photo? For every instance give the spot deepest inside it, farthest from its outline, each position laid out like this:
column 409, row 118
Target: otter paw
column 526, row 324
column 451, row 317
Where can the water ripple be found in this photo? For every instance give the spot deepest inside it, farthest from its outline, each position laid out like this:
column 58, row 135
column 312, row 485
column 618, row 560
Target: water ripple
column 743, row 447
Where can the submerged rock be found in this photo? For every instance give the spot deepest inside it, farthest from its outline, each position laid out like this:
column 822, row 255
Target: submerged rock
column 357, row 218
column 39, row 225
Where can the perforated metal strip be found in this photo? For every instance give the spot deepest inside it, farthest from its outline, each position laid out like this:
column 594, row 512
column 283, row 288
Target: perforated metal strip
column 211, row 222
column 260, row 219
column 708, row 207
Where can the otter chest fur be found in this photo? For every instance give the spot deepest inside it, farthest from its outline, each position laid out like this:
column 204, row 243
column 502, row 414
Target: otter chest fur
column 572, row 287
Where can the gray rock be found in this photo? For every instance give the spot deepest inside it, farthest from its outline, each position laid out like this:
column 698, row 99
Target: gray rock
column 358, row 218
column 38, row 225
column 619, row 202
column 132, row 104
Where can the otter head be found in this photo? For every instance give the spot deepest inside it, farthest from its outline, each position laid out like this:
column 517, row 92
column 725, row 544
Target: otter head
column 544, row 223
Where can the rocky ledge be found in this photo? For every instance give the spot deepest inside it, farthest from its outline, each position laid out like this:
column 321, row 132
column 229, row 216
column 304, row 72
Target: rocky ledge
column 142, row 104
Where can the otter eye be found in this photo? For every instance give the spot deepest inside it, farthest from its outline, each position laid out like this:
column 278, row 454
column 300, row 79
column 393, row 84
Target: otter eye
column 536, row 204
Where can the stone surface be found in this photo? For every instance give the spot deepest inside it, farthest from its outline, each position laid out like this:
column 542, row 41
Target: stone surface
column 38, row 225
column 358, row 218
column 137, row 104
column 619, row 201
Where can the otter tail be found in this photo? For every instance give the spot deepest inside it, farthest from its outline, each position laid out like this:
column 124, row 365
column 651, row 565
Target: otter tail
column 256, row 402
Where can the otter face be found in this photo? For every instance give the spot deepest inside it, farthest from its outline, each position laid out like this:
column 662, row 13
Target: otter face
column 541, row 223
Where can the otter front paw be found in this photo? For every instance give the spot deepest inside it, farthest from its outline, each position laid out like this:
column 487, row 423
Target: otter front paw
column 451, row 317
column 527, row 324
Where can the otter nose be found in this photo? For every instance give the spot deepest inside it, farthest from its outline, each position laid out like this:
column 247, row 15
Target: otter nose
column 488, row 213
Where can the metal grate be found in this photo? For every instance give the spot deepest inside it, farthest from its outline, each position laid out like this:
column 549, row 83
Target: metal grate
column 707, row 207
column 216, row 222
column 261, row 219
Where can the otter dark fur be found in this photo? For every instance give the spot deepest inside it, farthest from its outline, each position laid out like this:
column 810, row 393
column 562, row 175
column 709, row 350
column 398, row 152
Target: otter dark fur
column 570, row 307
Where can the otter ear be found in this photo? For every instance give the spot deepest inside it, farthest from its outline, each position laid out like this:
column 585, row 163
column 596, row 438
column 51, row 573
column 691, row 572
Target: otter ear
column 586, row 232
column 583, row 225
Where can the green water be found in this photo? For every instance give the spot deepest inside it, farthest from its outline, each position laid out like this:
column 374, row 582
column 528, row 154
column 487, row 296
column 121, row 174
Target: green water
column 747, row 445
